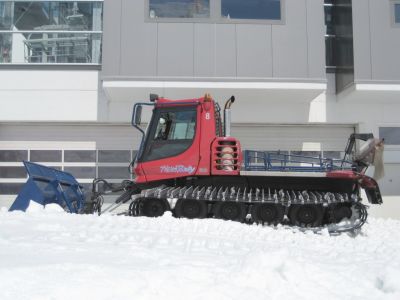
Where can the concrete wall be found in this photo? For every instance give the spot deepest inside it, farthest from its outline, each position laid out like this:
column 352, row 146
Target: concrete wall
column 374, row 100
column 376, row 41
column 135, row 47
column 48, row 95
column 138, row 49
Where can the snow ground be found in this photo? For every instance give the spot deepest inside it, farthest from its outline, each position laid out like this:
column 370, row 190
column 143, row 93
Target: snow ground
column 48, row 254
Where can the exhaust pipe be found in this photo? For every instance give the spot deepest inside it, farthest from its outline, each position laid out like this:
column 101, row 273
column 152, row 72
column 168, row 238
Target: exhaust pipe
column 227, row 116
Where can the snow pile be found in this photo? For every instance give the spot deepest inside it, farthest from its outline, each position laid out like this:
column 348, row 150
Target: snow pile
column 48, row 254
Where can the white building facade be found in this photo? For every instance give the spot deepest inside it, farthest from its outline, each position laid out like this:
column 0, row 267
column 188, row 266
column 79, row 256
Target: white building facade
column 305, row 73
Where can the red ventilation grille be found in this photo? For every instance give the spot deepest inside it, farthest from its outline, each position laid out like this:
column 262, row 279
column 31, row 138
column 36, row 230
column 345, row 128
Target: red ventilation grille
column 226, row 156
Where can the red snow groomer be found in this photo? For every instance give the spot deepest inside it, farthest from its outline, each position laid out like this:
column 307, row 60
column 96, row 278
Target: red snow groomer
column 189, row 164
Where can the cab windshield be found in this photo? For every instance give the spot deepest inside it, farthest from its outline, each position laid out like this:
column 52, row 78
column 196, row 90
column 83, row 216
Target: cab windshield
column 172, row 131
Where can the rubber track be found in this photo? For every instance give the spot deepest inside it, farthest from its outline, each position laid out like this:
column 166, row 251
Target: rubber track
column 213, row 195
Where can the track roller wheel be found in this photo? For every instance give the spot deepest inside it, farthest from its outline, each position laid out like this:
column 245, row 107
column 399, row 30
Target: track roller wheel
column 228, row 210
column 271, row 214
column 153, row 207
column 308, row 215
column 340, row 211
column 191, row 209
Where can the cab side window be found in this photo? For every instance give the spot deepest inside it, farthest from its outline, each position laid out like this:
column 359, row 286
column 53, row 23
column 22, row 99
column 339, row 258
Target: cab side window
column 172, row 132
column 176, row 126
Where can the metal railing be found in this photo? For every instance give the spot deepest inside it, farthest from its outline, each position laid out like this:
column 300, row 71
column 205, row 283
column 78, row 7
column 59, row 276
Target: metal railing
column 278, row 161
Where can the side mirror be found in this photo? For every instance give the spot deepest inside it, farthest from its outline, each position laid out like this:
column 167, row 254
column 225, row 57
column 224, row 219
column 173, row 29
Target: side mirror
column 137, row 115
column 153, row 97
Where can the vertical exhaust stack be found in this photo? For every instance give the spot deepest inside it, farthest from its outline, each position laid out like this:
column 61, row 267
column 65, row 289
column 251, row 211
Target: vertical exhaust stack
column 227, row 151
column 227, row 116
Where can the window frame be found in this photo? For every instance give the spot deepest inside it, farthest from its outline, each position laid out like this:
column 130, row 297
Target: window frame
column 395, row 125
column 174, row 20
column 16, row 183
column 215, row 16
column 393, row 13
column 172, row 129
column 67, row 65
column 149, row 141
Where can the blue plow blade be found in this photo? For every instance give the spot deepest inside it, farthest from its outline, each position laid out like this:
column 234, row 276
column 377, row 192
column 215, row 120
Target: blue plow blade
column 47, row 185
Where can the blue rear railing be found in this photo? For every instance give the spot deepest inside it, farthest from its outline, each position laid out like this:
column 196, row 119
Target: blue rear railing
column 283, row 161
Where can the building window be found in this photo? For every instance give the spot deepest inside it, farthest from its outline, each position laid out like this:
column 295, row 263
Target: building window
column 13, row 155
column 397, row 13
column 390, row 134
column 10, row 188
column 339, row 42
column 179, row 9
column 5, row 47
column 120, row 173
column 215, row 11
column 80, row 156
column 51, row 32
column 251, row 9
column 85, row 165
column 46, row 155
column 5, row 15
column 114, row 156
column 12, row 172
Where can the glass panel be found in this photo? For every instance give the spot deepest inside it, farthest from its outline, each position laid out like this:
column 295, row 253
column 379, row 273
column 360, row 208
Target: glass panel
column 397, row 13
column 82, row 172
column 332, row 154
column 13, row 155
column 107, row 156
column 5, row 15
column 329, row 51
column 114, row 173
column 5, row 47
column 171, row 133
column 56, row 48
column 46, row 155
column 57, row 15
column 179, row 9
column 328, row 20
column 176, row 125
column 12, row 172
column 80, row 156
column 10, row 188
column 390, row 134
column 251, row 9
column 47, row 16
column 339, row 47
